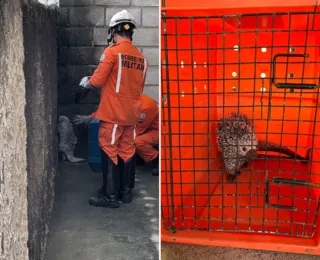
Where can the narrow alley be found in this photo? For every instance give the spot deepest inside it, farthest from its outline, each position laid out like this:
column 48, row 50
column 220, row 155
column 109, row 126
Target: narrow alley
column 79, row 231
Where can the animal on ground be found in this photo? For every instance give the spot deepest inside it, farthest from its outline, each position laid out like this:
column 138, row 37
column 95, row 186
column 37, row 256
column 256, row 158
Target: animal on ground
column 238, row 144
column 67, row 140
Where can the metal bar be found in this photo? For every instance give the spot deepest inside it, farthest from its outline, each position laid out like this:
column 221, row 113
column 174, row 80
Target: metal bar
column 244, row 32
column 299, row 112
column 235, row 106
column 164, row 155
column 296, row 182
column 169, row 124
column 313, row 131
column 242, row 15
column 296, row 86
column 253, row 109
column 223, row 115
column 283, row 113
column 179, row 105
column 314, row 13
column 232, row 48
column 209, row 118
column 239, row 87
column 312, row 148
column 256, row 171
column 224, row 79
column 236, row 63
column 193, row 126
column 269, row 115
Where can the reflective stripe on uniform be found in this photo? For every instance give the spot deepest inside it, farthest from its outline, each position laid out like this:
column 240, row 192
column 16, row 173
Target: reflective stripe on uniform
column 113, row 137
column 119, row 73
column 144, row 72
column 134, row 133
column 145, row 67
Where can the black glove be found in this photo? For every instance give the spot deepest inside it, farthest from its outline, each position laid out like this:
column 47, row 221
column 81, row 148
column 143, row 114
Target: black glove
column 81, row 94
column 83, row 90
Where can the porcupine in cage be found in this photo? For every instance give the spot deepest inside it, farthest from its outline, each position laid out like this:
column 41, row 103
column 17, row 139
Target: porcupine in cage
column 238, row 144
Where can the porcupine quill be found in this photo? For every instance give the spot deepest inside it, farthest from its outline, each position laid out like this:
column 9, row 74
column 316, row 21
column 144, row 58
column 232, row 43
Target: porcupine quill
column 238, row 144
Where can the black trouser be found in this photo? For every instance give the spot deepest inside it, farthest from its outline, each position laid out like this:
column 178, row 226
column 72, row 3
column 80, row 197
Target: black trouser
column 117, row 178
column 110, row 175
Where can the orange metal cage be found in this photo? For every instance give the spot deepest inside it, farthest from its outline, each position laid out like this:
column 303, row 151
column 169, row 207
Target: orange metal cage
column 225, row 58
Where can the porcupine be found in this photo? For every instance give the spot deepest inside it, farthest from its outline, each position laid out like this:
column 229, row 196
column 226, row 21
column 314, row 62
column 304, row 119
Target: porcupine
column 238, row 143
column 67, row 140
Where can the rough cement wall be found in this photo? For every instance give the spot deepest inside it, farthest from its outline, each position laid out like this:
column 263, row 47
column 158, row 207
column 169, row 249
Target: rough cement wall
column 82, row 39
column 13, row 135
column 40, row 43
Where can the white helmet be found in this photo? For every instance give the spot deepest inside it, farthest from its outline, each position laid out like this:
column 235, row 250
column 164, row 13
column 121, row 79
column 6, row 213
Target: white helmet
column 122, row 21
column 122, row 17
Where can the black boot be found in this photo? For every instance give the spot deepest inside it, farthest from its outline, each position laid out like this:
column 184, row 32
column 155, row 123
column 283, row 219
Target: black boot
column 133, row 168
column 99, row 192
column 155, row 166
column 126, row 176
column 108, row 195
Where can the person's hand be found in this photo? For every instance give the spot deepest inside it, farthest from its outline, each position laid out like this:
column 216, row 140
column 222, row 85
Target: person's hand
column 85, row 83
column 78, row 120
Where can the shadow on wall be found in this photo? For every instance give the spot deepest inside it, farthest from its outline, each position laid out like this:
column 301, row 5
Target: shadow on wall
column 40, row 68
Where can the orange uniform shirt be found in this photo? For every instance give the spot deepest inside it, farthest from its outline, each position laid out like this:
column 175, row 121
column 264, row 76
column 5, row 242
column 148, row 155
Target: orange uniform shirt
column 121, row 74
column 149, row 117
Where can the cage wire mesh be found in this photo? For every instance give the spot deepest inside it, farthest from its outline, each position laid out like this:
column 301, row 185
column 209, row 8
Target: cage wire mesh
column 263, row 65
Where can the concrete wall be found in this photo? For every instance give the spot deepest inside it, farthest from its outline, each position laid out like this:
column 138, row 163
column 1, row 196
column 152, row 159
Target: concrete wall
column 83, row 26
column 13, row 136
column 28, row 119
column 83, row 37
column 40, row 47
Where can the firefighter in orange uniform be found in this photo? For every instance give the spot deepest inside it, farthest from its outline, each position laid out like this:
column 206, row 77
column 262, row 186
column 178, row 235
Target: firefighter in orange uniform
column 121, row 75
column 148, row 133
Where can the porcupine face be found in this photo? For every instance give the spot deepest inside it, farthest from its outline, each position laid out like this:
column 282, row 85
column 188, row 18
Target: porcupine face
column 63, row 119
column 247, row 143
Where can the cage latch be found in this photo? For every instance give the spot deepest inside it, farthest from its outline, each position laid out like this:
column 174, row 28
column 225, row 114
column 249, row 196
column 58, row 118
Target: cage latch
column 290, row 86
column 289, row 182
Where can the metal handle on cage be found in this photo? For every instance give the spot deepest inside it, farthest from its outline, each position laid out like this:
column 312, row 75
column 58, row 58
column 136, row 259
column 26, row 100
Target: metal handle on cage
column 289, row 85
column 288, row 181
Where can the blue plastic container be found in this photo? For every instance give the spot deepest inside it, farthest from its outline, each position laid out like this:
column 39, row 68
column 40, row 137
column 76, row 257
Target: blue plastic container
column 94, row 156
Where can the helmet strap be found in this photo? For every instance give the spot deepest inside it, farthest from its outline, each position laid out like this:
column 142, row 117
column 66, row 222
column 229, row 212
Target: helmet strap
column 110, row 36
